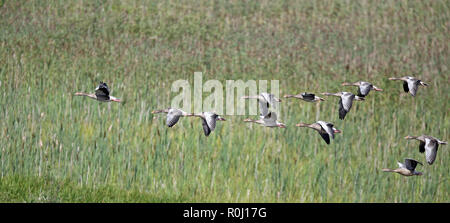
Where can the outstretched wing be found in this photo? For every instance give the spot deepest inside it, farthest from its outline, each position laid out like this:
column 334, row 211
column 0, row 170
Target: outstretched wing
column 325, row 137
column 359, row 92
column 172, row 117
column 364, row 89
column 206, row 128
column 431, row 148
column 347, row 101
column 102, row 90
column 270, row 98
column 411, row 164
column 342, row 111
column 308, row 96
column 270, row 119
column 211, row 120
column 327, row 128
column 263, row 107
column 413, row 85
column 405, row 86
column 422, row 147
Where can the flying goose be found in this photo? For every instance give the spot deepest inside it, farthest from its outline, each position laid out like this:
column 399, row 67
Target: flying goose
column 270, row 120
column 173, row 115
column 410, row 84
column 325, row 129
column 101, row 94
column 363, row 87
column 429, row 145
column 208, row 121
column 345, row 103
column 408, row 168
column 265, row 101
column 309, row 97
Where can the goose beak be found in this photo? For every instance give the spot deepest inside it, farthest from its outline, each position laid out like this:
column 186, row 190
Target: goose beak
column 247, row 120
column 282, row 125
column 337, row 131
column 277, row 99
column 221, row 119
column 423, row 83
column 298, row 125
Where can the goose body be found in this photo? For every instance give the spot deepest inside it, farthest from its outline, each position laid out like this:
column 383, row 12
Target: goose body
column 345, row 102
column 270, row 120
column 209, row 120
column 325, row 129
column 408, row 168
column 101, row 94
column 410, row 84
column 265, row 101
column 363, row 87
column 428, row 145
column 309, row 97
column 173, row 115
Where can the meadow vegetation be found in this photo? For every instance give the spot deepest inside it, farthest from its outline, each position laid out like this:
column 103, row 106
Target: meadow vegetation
column 55, row 147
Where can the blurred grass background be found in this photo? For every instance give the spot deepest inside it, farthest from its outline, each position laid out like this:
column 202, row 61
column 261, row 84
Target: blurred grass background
column 60, row 148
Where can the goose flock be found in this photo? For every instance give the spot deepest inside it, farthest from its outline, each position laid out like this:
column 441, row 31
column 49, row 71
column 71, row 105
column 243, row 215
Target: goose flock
column 268, row 118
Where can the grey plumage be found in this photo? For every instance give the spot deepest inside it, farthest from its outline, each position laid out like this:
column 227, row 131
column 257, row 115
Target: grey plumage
column 428, row 145
column 364, row 88
column 308, row 96
column 411, row 164
column 410, row 84
column 345, row 104
column 325, row 129
column 266, row 101
column 209, row 120
column 173, row 116
column 206, row 128
column 431, row 149
column 102, row 92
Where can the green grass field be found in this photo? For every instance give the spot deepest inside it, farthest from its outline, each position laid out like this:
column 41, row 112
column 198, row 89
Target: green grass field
column 59, row 148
